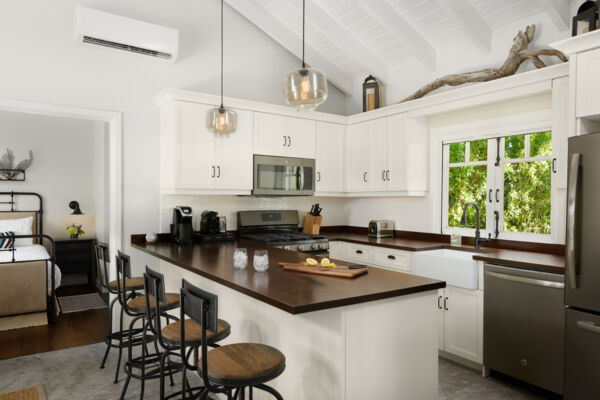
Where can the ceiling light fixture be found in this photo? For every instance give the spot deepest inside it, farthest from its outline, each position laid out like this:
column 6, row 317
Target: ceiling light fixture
column 305, row 88
column 221, row 120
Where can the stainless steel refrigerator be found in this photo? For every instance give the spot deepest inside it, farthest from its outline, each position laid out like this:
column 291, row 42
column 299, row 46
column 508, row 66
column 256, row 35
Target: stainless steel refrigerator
column 582, row 280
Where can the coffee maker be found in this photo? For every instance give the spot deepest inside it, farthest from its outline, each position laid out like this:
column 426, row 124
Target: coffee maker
column 182, row 231
column 210, row 228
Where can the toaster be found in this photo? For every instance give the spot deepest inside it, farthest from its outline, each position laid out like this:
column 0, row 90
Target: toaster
column 381, row 228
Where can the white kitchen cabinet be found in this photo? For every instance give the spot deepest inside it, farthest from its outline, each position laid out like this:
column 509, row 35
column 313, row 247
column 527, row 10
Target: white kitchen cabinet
column 462, row 331
column 588, row 84
column 357, row 253
column 440, row 315
column 193, row 159
column 560, row 131
column 358, row 155
column 277, row 135
column 330, row 160
column 397, row 260
column 377, row 256
column 378, row 156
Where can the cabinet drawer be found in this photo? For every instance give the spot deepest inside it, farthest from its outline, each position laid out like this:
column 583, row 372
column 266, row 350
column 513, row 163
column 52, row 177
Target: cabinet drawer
column 390, row 258
column 357, row 253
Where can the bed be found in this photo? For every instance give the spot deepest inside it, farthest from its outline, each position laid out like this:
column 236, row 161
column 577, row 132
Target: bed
column 28, row 272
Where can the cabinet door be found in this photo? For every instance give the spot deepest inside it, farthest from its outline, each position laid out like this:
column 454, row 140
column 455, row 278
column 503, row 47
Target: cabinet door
column 588, row 84
column 330, row 157
column 378, row 155
column 301, row 135
column 560, row 131
column 270, row 136
column 463, row 332
column 408, row 151
column 440, row 315
column 234, row 156
column 358, row 157
column 196, row 148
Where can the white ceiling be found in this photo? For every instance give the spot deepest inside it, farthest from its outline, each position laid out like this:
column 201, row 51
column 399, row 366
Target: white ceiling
column 347, row 38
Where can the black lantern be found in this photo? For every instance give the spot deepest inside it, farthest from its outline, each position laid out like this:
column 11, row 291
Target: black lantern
column 371, row 93
column 586, row 19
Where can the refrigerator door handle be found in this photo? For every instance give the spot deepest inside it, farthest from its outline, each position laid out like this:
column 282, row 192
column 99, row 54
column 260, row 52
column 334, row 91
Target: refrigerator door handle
column 589, row 326
column 571, row 258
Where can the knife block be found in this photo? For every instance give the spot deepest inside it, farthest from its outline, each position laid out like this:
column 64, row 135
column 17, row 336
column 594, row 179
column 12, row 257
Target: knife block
column 312, row 224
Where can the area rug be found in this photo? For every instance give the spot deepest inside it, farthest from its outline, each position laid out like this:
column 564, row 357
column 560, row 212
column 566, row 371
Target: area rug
column 90, row 301
column 32, row 393
column 23, row 321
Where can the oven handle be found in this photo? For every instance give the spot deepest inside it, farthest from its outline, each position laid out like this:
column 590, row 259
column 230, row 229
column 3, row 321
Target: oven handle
column 589, row 326
column 301, row 178
column 528, row 281
column 571, row 256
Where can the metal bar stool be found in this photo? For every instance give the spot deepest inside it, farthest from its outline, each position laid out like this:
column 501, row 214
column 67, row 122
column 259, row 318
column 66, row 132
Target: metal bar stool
column 154, row 301
column 116, row 338
column 232, row 367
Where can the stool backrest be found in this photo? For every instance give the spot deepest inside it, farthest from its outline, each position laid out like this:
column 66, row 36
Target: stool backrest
column 102, row 260
column 154, row 282
column 123, row 272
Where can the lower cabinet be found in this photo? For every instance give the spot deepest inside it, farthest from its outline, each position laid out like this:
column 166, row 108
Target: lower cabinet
column 383, row 257
column 460, row 322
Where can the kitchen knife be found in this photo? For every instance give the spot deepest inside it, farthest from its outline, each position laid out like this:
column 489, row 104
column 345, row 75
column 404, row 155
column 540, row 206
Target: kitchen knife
column 349, row 267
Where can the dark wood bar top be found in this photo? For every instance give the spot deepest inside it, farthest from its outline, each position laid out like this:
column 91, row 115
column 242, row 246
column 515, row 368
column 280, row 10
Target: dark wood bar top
column 393, row 242
column 293, row 292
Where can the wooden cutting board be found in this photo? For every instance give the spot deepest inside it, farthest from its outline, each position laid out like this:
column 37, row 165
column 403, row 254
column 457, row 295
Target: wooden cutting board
column 342, row 273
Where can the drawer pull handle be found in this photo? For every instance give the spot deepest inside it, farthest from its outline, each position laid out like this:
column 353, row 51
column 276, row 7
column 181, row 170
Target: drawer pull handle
column 359, row 251
column 391, row 257
column 439, row 305
column 446, row 303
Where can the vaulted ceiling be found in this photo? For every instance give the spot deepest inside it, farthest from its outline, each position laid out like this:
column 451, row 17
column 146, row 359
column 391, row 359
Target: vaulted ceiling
column 348, row 38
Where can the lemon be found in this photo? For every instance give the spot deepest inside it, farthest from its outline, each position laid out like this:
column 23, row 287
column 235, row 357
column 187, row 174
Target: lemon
column 311, row 261
column 325, row 262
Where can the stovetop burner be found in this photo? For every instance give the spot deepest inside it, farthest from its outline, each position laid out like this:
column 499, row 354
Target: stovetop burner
column 281, row 237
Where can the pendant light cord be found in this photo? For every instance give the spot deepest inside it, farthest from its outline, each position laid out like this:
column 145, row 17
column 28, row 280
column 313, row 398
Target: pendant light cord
column 222, row 1
column 303, row 27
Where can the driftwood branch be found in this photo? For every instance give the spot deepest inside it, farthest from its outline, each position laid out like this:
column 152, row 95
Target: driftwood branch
column 518, row 54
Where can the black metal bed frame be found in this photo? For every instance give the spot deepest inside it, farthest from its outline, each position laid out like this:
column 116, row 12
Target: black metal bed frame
column 39, row 238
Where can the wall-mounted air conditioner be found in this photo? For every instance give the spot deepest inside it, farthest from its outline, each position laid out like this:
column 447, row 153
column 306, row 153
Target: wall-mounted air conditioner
column 99, row 28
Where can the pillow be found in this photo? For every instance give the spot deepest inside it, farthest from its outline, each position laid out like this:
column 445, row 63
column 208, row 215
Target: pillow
column 6, row 240
column 21, row 226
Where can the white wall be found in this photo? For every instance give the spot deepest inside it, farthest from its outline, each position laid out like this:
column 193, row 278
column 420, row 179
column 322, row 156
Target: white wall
column 65, row 157
column 41, row 63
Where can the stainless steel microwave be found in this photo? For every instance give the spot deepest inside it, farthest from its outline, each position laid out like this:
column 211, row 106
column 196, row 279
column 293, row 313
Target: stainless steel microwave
column 283, row 176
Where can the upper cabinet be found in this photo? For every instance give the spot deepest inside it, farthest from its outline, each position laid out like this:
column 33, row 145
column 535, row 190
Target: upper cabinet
column 588, row 84
column 277, row 135
column 389, row 155
column 331, row 139
column 194, row 160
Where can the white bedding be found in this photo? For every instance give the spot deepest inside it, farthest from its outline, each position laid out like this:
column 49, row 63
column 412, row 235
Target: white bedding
column 34, row 252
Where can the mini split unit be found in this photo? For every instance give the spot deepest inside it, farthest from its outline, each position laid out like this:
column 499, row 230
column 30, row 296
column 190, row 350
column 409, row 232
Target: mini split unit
column 99, row 28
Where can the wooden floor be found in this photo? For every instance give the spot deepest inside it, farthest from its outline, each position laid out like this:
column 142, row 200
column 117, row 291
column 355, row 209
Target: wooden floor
column 71, row 330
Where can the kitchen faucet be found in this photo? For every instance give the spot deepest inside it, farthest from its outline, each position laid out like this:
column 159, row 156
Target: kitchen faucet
column 463, row 221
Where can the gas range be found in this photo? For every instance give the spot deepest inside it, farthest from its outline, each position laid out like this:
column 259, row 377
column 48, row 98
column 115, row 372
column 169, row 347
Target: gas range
column 279, row 228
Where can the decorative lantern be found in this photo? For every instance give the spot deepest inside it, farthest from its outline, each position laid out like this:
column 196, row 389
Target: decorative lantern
column 586, row 19
column 371, row 93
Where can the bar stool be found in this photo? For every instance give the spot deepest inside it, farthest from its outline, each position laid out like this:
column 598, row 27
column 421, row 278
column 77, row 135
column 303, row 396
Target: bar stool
column 115, row 339
column 232, row 367
column 144, row 308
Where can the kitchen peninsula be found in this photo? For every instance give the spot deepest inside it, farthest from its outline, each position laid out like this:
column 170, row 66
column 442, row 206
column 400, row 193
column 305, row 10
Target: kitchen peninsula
column 374, row 336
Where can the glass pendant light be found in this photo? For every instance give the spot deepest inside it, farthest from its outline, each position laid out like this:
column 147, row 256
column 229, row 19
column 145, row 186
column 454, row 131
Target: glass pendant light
column 305, row 88
column 221, row 120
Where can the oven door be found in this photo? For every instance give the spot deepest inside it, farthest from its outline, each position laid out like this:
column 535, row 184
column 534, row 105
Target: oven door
column 283, row 176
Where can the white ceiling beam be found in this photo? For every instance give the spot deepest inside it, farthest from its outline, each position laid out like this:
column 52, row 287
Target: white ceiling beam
column 344, row 39
column 387, row 16
column 470, row 22
column 290, row 41
column 559, row 12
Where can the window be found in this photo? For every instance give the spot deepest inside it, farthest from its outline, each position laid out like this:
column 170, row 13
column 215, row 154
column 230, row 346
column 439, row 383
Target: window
column 510, row 180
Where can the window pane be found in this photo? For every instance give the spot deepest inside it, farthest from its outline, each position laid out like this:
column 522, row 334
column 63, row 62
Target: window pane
column 540, row 144
column 467, row 184
column 478, row 150
column 457, row 153
column 527, row 197
column 514, row 146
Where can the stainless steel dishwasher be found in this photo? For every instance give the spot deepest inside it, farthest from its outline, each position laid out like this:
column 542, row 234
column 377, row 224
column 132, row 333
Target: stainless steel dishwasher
column 524, row 324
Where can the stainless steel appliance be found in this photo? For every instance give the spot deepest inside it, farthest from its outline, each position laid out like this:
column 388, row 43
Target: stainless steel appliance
column 283, row 176
column 523, row 325
column 381, row 228
column 279, row 228
column 213, row 228
column 182, row 231
column 582, row 270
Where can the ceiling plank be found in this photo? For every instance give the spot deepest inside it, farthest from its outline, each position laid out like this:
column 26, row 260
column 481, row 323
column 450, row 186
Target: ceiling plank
column 291, row 42
column 344, row 39
column 559, row 12
column 397, row 25
column 471, row 23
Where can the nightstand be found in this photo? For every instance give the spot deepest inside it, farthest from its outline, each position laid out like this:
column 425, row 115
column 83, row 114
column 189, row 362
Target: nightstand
column 75, row 258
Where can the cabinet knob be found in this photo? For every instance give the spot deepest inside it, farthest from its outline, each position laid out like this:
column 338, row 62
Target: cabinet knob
column 359, row 252
column 392, row 257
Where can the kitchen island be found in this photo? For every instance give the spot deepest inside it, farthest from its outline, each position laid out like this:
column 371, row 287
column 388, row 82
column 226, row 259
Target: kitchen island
column 374, row 336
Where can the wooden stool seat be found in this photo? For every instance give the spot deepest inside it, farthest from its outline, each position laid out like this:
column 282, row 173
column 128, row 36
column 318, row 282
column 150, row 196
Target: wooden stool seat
column 193, row 333
column 243, row 364
column 136, row 283
column 138, row 304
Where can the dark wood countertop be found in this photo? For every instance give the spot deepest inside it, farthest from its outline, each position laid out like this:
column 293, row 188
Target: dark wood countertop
column 293, row 292
column 546, row 262
column 393, row 242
